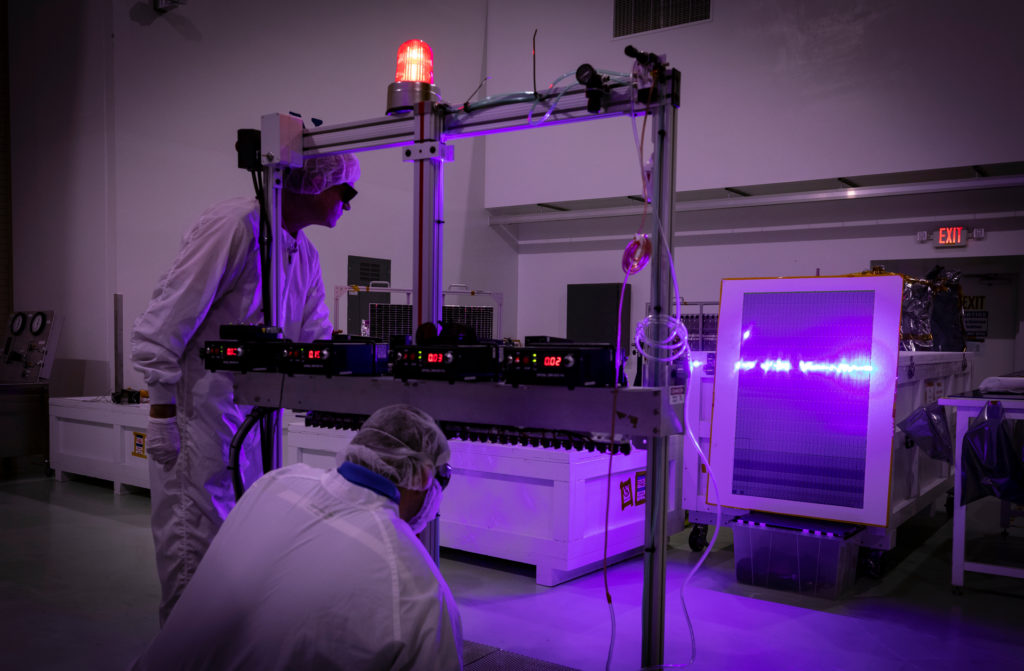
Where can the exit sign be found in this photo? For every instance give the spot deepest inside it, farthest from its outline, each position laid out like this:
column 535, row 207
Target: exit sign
column 951, row 236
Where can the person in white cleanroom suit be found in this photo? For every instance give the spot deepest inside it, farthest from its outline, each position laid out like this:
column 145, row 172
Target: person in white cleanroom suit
column 323, row 570
column 215, row 280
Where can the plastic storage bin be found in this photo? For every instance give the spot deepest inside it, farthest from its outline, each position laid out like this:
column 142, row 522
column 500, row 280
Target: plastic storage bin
column 821, row 561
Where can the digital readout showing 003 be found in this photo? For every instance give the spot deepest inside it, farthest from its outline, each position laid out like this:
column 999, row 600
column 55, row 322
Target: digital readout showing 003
column 435, row 357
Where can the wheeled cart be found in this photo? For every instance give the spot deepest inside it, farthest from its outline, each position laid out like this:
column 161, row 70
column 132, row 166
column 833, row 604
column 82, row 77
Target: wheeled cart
column 917, row 481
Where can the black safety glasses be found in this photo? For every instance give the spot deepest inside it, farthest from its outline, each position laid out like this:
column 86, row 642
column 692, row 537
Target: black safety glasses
column 347, row 192
column 444, row 475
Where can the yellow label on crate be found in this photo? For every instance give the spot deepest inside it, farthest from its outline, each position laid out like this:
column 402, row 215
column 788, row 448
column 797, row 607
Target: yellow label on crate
column 138, row 445
column 626, row 488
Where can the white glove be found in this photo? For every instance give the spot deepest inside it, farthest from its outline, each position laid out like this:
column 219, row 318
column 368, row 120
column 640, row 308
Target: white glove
column 164, row 440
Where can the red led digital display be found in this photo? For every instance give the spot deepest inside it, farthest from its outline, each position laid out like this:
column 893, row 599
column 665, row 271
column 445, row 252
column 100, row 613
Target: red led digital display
column 434, row 357
column 232, row 351
column 313, row 354
column 552, row 361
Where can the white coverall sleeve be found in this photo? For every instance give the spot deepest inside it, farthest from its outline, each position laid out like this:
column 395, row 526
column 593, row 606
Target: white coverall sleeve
column 316, row 320
column 211, row 258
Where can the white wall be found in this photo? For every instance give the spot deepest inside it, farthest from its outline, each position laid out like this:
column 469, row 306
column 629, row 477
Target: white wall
column 60, row 177
column 700, row 269
column 772, row 91
column 124, row 124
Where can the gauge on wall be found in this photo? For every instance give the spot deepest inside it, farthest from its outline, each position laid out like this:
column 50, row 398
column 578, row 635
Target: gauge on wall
column 38, row 323
column 18, row 323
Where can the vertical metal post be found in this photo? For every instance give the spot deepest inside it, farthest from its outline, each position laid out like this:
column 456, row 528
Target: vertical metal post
column 274, row 183
column 428, row 218
column 118, row 342
column 428, row 156
column 274, row 176
column 280, row 146
column 656, row 375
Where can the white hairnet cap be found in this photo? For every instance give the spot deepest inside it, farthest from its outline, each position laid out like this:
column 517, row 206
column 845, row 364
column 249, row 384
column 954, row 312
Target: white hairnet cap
column 397, row 442
column 319, row 173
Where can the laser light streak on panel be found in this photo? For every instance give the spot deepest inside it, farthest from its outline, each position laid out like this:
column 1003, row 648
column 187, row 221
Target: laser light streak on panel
column 849, row 369
column 842, row 368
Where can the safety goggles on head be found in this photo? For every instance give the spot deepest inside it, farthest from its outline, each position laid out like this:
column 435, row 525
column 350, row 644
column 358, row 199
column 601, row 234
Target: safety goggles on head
column 443, row 475
column 347, row 192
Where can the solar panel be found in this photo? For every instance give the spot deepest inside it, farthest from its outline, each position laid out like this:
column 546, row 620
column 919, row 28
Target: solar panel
column 804, row 392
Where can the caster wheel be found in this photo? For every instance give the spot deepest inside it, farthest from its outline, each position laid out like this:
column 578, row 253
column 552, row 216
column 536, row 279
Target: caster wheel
column 874, row 564
column 698, row 537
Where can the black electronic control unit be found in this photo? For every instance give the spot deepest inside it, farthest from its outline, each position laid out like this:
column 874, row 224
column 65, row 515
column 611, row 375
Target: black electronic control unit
column 338, row 356
column 560, row 364
column 446, row 362
column 243, row 348
column 241, row 356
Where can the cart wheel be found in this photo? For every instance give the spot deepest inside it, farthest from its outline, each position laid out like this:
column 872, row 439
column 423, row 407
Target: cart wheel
column 699, row 537
column 874, row 562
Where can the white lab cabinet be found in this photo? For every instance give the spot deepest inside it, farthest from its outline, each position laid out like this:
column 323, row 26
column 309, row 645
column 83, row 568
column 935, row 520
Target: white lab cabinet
column 96, row 437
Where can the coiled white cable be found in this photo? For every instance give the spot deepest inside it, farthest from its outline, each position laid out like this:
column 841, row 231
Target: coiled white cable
column 673, row 345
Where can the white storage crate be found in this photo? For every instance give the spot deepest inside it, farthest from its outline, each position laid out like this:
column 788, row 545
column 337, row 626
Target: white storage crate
column 538, row 506
column 96, row 437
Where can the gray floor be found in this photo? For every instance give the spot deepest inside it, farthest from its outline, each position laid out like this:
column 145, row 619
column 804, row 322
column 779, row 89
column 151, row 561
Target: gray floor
column 78, row 590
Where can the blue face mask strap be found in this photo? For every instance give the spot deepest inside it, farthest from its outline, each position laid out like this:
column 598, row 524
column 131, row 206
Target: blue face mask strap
column 364, row 477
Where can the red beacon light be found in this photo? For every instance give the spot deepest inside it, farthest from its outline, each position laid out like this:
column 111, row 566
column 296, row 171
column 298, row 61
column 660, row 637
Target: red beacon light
column 414, row 78
column 415, row 63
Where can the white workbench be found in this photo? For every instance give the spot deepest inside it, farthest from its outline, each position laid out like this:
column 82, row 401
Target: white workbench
column 967, row 408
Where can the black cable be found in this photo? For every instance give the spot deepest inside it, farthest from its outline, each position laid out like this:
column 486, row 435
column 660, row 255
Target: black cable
column 535, row 94
column 268, row 433
column 235, row 448
column 266, row 252
column 465, row 105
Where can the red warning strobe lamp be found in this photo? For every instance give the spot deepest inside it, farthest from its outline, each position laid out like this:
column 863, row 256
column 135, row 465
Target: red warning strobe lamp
column 414, row 77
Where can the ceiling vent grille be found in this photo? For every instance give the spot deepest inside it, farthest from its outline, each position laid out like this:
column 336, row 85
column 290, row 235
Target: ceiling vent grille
column 639, row 16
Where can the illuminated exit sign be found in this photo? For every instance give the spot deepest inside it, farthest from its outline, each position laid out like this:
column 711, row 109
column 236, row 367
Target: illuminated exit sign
column 951, row 236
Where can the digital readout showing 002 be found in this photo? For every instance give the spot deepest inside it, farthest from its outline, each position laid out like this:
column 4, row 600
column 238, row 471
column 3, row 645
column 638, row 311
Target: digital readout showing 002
column 552, row 361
